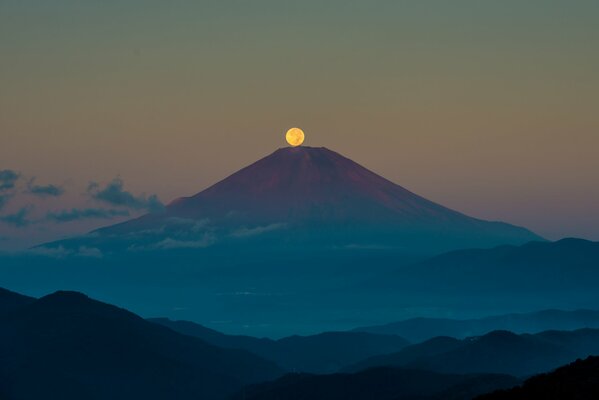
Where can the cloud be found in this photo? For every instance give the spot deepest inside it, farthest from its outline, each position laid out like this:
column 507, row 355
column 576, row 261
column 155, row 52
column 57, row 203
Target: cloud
column 45, row 190
column 4, row 199
column 169, row 243
column 114, row 194
column 247, row 232
column 8, row 179
column 205, row 240
column 61, row 252
column 76, row 214
column 191, row 225
column 18, row 219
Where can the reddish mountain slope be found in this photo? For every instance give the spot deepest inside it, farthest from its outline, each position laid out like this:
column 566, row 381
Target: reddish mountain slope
column 312, row 197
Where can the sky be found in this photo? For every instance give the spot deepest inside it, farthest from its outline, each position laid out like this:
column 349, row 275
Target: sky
column 487, row 107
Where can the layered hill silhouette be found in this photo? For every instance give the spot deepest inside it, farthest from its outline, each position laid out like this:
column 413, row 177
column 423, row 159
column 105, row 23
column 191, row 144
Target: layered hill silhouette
column 322, row 353
column 68, row 346
column 379, row 384
column 576, row 381
column 304, row 197
column 420, row 329
column 496, row 352
column 11, row 301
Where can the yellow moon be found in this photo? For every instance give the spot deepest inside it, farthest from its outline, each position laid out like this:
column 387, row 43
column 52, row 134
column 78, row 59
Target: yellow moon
column 295, row 137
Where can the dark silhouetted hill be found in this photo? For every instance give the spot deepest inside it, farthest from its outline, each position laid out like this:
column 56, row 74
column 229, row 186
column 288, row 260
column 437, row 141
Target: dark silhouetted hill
column 495, row 352
column 420, row 329
column 10, row 301
column 323, row 353
column 576, row 381
column 377, row 384
column 68, row 346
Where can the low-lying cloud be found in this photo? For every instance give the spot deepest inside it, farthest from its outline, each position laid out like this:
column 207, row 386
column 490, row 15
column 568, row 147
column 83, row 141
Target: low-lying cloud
column 247, row 232
column 76, row 214
column 8, row 179
column 115, row 194
column 4, row 199
column 62, row 252
column 45, row 190
column 170, row 243
column 18, row 219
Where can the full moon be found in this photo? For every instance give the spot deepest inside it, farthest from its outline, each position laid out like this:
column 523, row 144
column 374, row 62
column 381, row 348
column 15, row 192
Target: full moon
column 295, row 137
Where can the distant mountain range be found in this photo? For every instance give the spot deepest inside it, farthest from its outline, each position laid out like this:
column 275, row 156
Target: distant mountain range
column 303, row 197
column 323, row 353
column 576, row 381
column 533, row 275
column 496, row 352
column 563, row 262
column 68, row 346
column 378, row 384
column 380, row 346
column 420, row 329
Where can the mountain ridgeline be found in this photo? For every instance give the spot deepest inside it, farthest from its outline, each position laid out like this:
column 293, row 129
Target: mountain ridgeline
column 500, row 352
column 68, row 346
column 379, row 384
column 304, row 197
column 322, row 353
column 576, row 381
column 421, row 329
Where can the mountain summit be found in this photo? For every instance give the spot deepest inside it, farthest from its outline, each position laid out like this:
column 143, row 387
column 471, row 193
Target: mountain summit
column 306, row 196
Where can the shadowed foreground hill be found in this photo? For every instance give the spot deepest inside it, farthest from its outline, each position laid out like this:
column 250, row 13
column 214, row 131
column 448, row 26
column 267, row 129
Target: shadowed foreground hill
column 496, row 352
column 377, row 384
column 323, row 353
column 576, row 381
column 10, row 301
column 68, row 346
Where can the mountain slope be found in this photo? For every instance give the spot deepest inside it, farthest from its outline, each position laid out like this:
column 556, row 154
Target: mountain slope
column 538, row 274
column 576, row 381
column 67, row 346
column 495, row 352
column 306, row 197
column 323, row 353
column 420, row 329
column 10, row 301
column 379, row 384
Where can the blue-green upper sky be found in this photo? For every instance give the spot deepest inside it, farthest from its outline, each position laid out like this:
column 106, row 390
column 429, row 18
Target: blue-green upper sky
column 488, row 107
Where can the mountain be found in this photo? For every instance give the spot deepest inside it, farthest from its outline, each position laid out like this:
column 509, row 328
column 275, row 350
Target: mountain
column 496, row 352
column 538, row 255
column 304, row 197
column 420, row 329
column 323, row 353
column 378, row 384
column 10, row 301
column 530, row 276
column 575, row 381
column 68, row 346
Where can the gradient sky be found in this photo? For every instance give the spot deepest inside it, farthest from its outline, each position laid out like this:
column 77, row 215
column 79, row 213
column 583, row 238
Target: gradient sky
column 487, row 107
